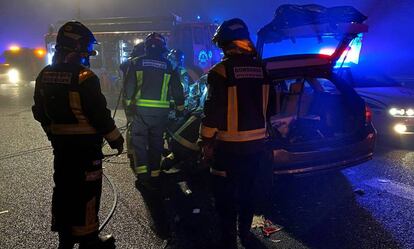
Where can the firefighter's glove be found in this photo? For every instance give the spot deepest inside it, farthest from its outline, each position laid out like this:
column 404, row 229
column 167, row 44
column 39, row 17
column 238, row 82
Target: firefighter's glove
column 117, row 144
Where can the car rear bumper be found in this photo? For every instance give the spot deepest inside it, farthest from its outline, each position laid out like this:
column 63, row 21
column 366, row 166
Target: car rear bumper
column 285, row 162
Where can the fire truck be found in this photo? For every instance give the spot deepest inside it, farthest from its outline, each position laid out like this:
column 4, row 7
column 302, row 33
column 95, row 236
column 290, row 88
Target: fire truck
column 117, row 37
column 21, row 65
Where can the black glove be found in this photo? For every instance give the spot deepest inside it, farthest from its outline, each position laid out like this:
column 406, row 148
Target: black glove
column 117, row 144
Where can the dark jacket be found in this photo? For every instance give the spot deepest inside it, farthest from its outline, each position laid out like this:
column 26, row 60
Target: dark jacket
column 237, row 105
column 68, row 101
column 150, row 85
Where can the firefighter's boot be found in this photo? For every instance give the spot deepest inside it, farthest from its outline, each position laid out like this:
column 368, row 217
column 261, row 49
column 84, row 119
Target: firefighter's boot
column 99, row 242
column 65, row 241
column 247, row 238
column 228, row 239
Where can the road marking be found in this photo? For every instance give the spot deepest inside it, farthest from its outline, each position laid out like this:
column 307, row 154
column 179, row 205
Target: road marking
column 4, row 212
column 395, row 188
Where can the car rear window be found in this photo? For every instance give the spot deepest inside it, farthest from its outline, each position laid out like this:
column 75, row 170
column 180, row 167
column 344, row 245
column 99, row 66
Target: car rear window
column 306, row 85
column 308, row 45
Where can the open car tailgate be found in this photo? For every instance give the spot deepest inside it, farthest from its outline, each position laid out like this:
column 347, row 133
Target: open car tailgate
column 298, row 21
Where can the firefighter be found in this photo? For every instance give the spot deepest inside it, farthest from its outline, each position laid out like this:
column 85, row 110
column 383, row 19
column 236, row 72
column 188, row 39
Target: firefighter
column 233, row 130
column 71, row 109
column 150, row 83
column 176, row 58
column 138, row 50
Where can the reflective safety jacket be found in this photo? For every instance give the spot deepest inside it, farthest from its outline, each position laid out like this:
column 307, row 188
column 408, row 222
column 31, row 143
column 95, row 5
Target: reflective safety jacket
column 150, row 85
column 68, row 101
column 185, row 132
column 237, row 105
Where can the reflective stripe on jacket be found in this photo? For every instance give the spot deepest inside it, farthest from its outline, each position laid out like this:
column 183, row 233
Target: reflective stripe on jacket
column 236, row 108
column 151, row 83
column 68, row 101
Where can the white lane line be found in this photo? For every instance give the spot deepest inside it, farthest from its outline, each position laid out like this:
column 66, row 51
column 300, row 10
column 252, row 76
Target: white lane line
column 395, row 188
column 4, row 212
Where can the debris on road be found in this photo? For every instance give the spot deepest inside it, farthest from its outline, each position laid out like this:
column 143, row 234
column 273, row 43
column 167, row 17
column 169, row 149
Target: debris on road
column 270, row 228
column 184, row 188
column 275, row 240
column 267, row 226
column 4, row 212
column 258, row 221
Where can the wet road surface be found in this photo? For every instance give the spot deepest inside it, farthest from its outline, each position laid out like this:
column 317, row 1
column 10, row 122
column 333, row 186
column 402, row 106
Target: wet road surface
column 367, row 206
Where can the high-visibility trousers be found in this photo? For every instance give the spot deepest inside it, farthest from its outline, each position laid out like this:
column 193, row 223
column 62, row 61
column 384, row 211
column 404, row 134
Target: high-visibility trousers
column 148, row 143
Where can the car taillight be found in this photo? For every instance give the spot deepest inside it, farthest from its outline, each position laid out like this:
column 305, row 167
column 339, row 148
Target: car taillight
column 368, row 114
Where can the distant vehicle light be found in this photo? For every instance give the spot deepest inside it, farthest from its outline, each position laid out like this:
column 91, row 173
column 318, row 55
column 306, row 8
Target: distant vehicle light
column 396, row 112
column 14, row 76
column 400, row 128
column 14, row 48
column 410, row 112
column 40, row 52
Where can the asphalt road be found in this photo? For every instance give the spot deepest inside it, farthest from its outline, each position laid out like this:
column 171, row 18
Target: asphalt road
column 367, row 206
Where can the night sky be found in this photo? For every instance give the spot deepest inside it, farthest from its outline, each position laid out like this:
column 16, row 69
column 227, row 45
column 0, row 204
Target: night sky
column 389, row 41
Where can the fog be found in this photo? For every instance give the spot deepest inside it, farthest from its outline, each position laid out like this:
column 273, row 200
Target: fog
column 387, row 46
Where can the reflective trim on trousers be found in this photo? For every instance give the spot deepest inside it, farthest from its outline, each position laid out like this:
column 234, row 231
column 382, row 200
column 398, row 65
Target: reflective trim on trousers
column 155, row 173
column 85, row 230
column 91, row 222
column 141, row 169
column 216, row 172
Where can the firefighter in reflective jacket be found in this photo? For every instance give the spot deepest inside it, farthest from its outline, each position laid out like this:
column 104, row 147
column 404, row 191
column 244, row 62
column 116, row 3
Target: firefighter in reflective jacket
column 234, row 129
column 139, row 50
column 150, row 84
column 69, row 105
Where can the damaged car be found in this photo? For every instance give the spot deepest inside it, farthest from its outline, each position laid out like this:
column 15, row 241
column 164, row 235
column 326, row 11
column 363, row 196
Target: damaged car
column 322, row 123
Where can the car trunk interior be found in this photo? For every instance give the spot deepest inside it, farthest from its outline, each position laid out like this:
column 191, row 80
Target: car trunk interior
column 314, row 114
